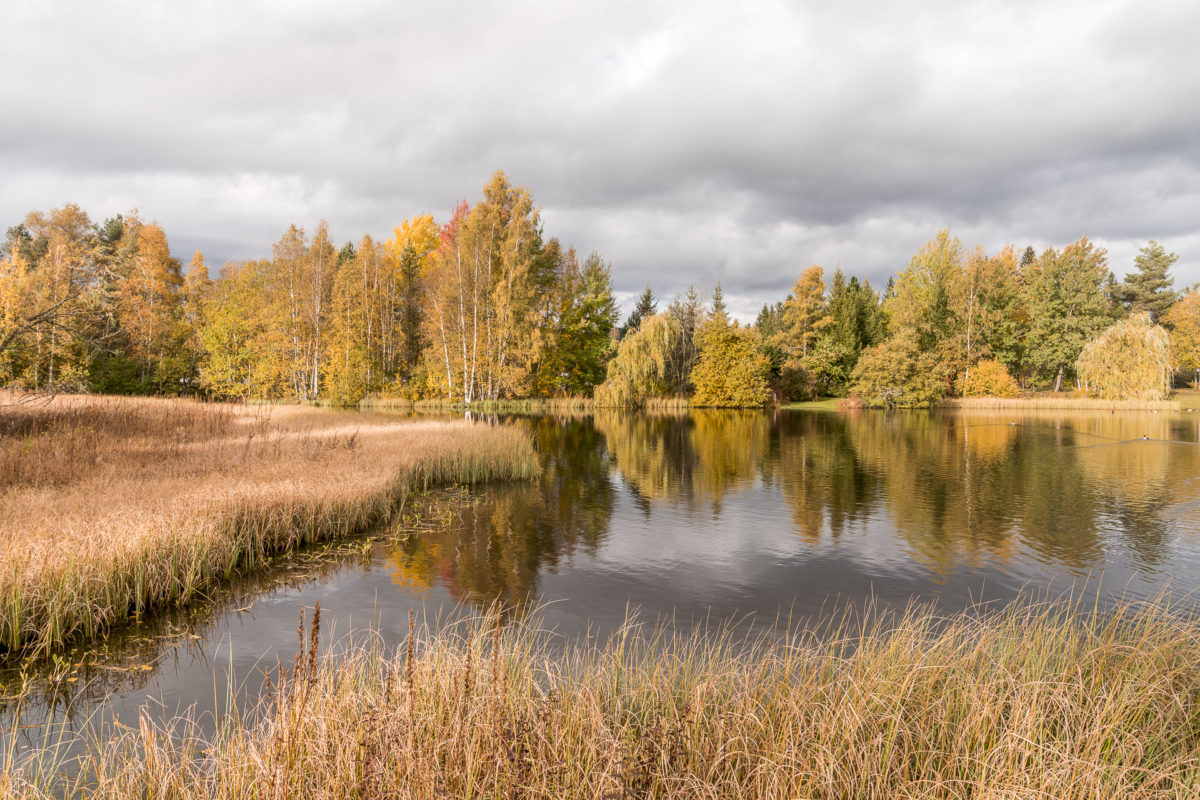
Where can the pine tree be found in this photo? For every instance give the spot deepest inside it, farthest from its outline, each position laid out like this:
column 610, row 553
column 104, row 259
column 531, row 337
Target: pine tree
column 1148, row 287
column 646, row 307
column 718, row 304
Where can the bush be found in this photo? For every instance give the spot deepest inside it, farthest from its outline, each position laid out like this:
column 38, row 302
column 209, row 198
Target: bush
column 731, row 371
column 986, row 379
column 896, row 374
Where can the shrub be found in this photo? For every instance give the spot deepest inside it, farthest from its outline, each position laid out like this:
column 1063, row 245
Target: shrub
column 896, row 374
column 986, row 379
column 731, row 371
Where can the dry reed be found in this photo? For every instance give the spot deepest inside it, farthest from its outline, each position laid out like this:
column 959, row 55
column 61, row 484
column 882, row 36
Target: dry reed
column 1031, row 701
column 1067, row 402
column 114, row 507
column 529, row 405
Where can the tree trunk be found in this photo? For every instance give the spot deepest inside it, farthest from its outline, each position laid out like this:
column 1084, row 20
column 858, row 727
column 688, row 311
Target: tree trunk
column 1058, row 379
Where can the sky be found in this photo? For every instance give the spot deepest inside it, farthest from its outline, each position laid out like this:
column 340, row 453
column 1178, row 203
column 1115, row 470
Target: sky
column 688, row 142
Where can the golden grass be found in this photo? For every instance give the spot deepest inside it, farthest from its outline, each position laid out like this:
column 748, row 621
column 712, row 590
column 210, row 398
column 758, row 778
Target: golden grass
column 1064, row 402
column 1033, row 701
column 114, row 507
column 528, row 405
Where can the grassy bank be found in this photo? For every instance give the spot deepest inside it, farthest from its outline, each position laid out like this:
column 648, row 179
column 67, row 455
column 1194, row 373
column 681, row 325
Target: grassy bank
column 534, row 405
column 1032, row 701
column 824, row 404
column 1066, row 402
column 537, row 405
column 114, row 507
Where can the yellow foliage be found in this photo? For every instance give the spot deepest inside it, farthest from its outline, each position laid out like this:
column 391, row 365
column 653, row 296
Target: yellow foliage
column 1130, row 360
column 986, row 379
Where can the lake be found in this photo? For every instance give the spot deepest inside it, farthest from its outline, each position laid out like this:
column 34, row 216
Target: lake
column 701, row 518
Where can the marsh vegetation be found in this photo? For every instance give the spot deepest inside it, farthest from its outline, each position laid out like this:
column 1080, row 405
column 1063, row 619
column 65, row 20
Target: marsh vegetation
column 111, row 508
column 1025, row 701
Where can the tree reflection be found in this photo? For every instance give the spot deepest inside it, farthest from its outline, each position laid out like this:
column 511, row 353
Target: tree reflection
column 687, row 460
column 956, row 488
column 496, row 547
column 819, row 474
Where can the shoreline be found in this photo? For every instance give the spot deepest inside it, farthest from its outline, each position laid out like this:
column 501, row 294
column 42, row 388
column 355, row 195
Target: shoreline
column 114, row 508
column 1034, row 699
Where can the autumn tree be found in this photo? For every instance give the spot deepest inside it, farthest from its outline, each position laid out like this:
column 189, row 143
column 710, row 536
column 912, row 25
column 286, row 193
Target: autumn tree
column 194, row 298
column 1183, row 319
column 401, row 330
column 1067, row 306
column 689, row 314
column 48, row 288
column 804, row 320
column 351, row 365
column 485, row 283
column 924, row 299
column 240, row 358
column 150, row 312
column 1129, row 360
column 639, row 370
column 984, row 312
column 731, row 371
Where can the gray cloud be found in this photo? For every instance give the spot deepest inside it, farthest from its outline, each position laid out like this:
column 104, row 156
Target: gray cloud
column 689, row 143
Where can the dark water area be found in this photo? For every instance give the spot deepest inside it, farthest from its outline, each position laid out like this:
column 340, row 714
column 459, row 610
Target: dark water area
column 699, row 518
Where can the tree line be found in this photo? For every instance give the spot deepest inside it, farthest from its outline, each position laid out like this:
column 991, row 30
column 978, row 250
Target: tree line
column 486, row 306
column 481, row 307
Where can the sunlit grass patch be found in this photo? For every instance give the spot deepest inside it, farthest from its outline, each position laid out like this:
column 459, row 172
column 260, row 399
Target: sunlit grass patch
column 114, row 507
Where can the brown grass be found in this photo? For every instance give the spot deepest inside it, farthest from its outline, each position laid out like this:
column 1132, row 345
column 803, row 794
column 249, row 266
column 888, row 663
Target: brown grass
column 114, row 507
column 528, row 405
column 1034, row 701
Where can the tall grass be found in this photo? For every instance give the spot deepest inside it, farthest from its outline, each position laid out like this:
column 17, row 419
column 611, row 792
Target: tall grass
column 529, row 405
column 1034, row 701
column 111, row 508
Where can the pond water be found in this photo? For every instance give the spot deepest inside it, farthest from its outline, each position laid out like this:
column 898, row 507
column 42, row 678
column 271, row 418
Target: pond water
column 703, row 517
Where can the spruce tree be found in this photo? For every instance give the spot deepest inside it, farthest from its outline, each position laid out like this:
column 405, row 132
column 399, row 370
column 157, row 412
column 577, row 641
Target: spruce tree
column 1148, row 287
column 646, row 306
column 719, row 307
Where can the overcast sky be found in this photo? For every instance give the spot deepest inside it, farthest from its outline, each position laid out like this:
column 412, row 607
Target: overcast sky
column 687, row 142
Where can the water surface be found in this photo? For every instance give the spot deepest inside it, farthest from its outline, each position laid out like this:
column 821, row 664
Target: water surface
column 700, row 518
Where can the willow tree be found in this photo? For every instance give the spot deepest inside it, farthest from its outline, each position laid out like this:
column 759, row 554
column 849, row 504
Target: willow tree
column 1130, row 360
column 641, row 368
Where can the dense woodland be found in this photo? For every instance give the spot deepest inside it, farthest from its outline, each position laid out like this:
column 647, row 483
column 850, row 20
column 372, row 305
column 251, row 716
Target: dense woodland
column 486, row 306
